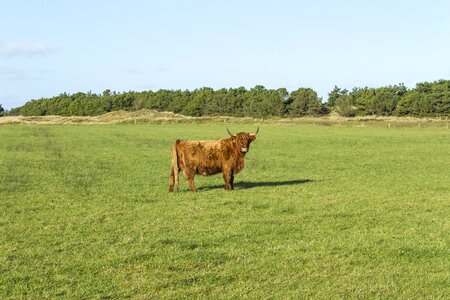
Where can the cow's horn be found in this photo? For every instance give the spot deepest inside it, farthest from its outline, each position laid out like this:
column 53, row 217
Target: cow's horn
column 257, row 130
column 230, row 132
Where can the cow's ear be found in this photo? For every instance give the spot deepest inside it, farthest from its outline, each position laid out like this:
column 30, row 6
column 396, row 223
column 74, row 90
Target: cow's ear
column 253, row 137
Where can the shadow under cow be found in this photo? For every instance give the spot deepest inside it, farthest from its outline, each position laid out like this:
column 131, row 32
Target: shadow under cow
column 255, row 184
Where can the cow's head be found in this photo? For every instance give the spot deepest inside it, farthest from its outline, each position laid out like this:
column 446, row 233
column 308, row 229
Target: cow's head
column 243, row 139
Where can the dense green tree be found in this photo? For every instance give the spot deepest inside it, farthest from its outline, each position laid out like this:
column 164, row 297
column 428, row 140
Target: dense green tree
column 345, row 106
column 145, row 100
column 235, row 101
column 408, row 103
column 2, row 111
column 427, row 99
column 362, row 99
column 334, row 95
column 369, row 101
column 386, row 99
column 200, row 98
column 215, row 103
column 304, row 102
column 261, row 102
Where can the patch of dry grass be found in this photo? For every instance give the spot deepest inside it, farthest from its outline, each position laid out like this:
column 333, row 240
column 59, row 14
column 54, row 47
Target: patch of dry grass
column 157, row 117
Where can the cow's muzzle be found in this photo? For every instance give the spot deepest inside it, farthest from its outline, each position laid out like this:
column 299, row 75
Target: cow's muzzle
column 244, row 150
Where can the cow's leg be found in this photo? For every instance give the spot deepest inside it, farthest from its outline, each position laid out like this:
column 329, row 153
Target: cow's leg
column 189, row 174
column 173, row 180
column 175, row 170
column 232, row 181
column 177, row 183
column 177, row 179
column 227, row 177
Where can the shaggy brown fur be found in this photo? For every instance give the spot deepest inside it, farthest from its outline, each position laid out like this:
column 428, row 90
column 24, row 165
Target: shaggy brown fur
column 208, row 158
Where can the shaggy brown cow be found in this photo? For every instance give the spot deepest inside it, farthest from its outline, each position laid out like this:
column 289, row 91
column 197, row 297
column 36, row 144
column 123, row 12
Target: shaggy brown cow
column 210, row 157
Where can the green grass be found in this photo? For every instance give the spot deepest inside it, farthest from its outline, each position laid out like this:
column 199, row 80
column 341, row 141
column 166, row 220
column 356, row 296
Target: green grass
column 318, row 212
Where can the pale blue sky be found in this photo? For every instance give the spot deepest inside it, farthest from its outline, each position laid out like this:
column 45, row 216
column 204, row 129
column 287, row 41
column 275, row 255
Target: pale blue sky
column 51, row 47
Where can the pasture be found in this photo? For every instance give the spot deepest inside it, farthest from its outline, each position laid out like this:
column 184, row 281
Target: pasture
column 318, row 212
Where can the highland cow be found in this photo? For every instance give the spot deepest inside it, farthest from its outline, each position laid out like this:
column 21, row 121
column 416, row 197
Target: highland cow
column 210, row 157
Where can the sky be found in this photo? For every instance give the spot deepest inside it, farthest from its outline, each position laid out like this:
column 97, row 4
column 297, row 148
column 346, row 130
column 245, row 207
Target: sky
column 62, row 46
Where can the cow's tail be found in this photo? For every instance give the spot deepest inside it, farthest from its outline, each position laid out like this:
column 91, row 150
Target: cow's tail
column 173, row 180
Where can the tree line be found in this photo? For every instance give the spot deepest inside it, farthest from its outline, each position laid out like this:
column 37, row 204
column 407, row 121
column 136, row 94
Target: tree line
column 426, row 99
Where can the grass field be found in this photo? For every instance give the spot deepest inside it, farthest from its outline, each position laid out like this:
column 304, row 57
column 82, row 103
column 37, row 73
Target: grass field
column 318, row 212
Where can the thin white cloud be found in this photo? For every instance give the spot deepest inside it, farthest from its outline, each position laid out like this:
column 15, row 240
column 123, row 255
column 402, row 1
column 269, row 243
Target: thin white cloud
column 13, row 73
column 25, row 49
column 23, row 77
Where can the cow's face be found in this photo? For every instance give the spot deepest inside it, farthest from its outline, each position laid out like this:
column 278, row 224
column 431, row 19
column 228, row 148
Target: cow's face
column 243, row 141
